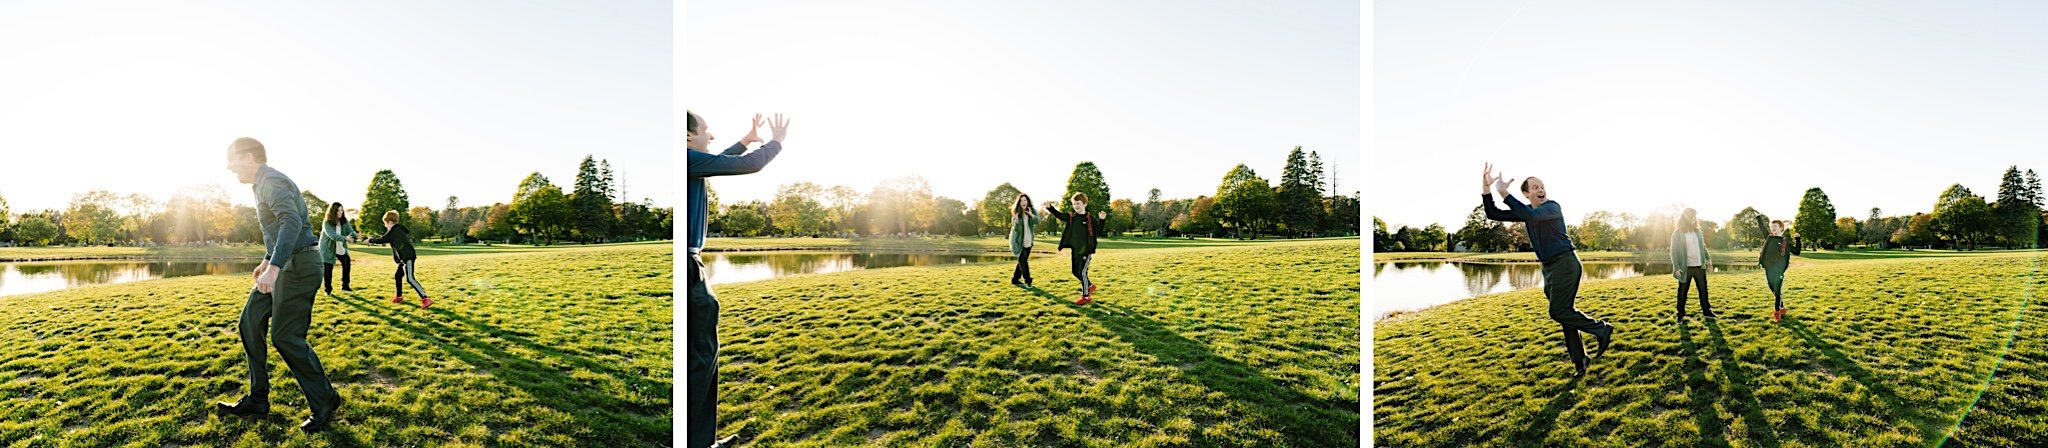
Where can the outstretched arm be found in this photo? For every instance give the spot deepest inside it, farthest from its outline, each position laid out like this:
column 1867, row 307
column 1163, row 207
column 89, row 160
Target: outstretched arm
column 1057, row 214
column 1549, row 211
column 728, row 164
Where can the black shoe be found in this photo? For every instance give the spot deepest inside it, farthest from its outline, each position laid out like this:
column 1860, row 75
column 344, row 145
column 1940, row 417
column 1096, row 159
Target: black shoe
column 1710, row 315
column 320, row 421
column 725, row 442
column 1679, row 316
column 1604, row 336
column 246, row 407
column 1578, row 368
column 348, row 289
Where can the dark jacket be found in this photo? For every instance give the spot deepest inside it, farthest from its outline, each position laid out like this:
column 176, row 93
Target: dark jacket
column 1546, row 224
column 1777, row 253
column 1082, row 229
column 400, row 241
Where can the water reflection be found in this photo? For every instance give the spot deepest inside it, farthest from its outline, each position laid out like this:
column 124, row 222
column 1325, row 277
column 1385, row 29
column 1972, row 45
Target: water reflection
column 1412, row 285
column 735, row 267
column 34, row 277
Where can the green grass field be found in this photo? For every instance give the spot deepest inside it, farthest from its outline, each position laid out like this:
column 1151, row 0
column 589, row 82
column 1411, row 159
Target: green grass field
column 556, row 347
column 1245, row 345
column 1881, row 349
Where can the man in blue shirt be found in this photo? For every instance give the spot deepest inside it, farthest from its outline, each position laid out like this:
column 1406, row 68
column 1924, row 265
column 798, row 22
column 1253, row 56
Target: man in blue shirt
column 1561, row 270
column 281, row 303
column 701, row 385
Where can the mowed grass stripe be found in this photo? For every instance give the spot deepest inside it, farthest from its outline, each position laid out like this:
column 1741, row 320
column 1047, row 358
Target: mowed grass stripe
column 1877, row 352
column 557, row 347
column 1240, row 346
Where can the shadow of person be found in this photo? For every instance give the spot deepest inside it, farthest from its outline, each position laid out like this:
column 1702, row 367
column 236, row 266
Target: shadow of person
column 1301, row 419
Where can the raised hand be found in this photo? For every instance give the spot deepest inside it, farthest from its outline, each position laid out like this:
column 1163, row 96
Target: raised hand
column 778, row 128
column 1486, row 178
column 1101, row 215
column 753, row 132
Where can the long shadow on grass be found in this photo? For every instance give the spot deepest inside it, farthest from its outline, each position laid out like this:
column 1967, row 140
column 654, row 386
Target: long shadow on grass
column 1698, row 390
column 607, row 419
column 1738, row 384
column 1303, row 420
column 1929, row 429
column 1565, row 397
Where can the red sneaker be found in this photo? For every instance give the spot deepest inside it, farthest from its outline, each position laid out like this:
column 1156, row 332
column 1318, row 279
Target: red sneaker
column 426, row 302
column 1091, row 288
column 1084, row 300
column 1778, row 315
column 397, row 299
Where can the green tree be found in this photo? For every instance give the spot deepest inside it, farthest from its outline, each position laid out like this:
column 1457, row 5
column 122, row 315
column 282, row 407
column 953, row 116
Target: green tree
column 744, row 219
column 1967, row 220
column 316, row 209
column 1299, row 201
column 1245, row 201
column 540, row 209
column 386, row 193
column 1816, row 219
column 35, row 231
column 1381, row 240
column 1086, row 179
column 797, row 209
column 591, row 202
column 1430, row 238
column 92, row 218
column 1743, row 229
column 1123, row 217
column 2018, row 217
column 996, row 207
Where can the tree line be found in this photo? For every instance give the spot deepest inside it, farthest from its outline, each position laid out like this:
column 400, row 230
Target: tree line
column 202, row 214
column 1959, row 219
column 1245, row 206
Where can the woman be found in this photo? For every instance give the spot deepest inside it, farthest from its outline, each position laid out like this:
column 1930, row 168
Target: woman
column 1690, row 261
column 1776, row 256
column 1022, row 215
column 1080, row 235
column 334, row 235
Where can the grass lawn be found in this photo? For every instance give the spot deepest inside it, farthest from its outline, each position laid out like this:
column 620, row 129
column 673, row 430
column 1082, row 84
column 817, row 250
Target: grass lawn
column 1042, row 244
column 1881, row 349
column 558, row 347
column 1246, row 345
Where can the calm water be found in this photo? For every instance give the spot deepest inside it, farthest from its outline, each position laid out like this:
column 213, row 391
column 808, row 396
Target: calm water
column 1413, row 285
column 734, row 267
column 42, row 276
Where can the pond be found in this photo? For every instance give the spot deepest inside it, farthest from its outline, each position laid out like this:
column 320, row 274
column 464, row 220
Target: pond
column 735, row 267
column 43, row 276
column 1413, row 285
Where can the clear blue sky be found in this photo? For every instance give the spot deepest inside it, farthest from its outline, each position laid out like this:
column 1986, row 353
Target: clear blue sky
column 1633, row 106
column 459, row 98
column 969, row 95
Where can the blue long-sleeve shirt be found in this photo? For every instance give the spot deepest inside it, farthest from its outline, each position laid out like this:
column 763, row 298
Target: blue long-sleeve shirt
column 281, row 212
column 1546, row 224
column 734, row 161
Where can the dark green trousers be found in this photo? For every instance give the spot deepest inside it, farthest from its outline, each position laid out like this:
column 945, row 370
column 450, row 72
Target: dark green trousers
column 283, row 316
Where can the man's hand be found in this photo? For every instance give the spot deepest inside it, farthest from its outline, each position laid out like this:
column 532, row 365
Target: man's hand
column 1486, row 178
column 753, row 132
column 778, row 128
column 259, row 269
column 267, row 280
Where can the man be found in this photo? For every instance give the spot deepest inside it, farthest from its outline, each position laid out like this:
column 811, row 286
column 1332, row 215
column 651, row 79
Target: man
column 1561, row 270
column 282, row 300
column 701, row 386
